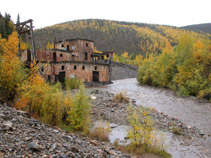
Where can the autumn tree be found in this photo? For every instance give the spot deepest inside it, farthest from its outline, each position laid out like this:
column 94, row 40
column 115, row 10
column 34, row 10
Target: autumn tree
column 184, row 68
column 12, row 72
column 49, row 46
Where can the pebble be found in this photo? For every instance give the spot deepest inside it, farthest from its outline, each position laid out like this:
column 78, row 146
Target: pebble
column 30, row 138
column 33, row 146
column 7, row 125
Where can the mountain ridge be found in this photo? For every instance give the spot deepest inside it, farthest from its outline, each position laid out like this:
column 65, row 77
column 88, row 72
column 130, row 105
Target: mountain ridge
column 204, row 27
column 135, row 38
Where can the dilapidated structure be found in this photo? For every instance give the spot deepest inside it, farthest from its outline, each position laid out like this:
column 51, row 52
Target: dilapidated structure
column 75, row 58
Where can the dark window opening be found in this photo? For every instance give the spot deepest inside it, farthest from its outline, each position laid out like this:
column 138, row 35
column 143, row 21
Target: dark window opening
column 95, row 67
column 102, row 57
column 62, row 67
column 68, row 48
column 56, row 78
column 54, row 56
column 42, row 69
column 86, row 56
column 75, row 67
column 62, row 45
column 87, row 45
column 61, row 77
column 83, row 67
column 61, row 55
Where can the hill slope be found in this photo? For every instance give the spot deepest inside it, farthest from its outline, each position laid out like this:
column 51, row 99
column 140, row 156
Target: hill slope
column 135, row 38
column 199, row 27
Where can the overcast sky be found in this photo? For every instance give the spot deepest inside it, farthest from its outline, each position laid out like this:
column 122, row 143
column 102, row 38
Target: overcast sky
column 167, row 12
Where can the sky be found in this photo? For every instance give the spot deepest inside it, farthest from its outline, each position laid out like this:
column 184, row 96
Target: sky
column 165, row 12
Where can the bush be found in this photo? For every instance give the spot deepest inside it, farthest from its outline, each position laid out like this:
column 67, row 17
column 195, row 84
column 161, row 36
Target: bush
column 142, row 136
column 121, row 98
column 101, row 131
column 79, row 114
column 176, row 130
column 43, row 101
column 72, row 83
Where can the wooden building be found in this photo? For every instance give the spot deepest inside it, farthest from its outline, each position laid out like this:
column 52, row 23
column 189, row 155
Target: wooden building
column 75, row 58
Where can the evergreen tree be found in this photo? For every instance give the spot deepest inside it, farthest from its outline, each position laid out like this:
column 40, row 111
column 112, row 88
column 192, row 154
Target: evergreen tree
column 6, row 26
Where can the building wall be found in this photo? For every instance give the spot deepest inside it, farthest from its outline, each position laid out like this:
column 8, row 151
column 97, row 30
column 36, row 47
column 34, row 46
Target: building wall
column 85, row 46
column 74, row 58
column 77, row 48
column 85, row 75
column 73, row 45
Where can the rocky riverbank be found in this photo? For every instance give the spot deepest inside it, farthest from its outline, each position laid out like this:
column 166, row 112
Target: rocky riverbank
column 22, row 136
column 104, row 107
column 123, row 71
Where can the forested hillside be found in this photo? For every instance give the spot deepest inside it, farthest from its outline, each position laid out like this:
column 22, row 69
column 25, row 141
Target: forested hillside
column 135, row 38
column 199, row 27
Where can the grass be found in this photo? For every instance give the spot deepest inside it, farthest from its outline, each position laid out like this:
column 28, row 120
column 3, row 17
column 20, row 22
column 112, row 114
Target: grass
column 176, row 130
column 121, row 98
column 101, row 132
column 145, row 151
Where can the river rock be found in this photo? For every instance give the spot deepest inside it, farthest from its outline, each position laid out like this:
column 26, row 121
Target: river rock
column 33, row 146
column 7, row 125
column 74, row 149
column 189, row 127
column 53, row 147
column 93, row 97
column 94, row 142
column 2, row 115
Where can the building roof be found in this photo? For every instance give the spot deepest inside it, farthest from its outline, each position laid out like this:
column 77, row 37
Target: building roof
column 75, row 40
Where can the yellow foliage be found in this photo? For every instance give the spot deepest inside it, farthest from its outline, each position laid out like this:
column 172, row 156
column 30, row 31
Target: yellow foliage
column 115, row 57
column 49, row 46
column 23, row 45
column 168, row 48
column 125, row 55
column 141, row 135
column 184, row 68
column 101, row 131
column 11, row 70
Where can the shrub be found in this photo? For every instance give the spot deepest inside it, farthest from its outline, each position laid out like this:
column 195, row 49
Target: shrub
column 46, row 102
column 176, row 130
column 101, row 131
column 121, row 98
column 116, row 143
column 79, row 114
column 72, row 83
column 142, row 136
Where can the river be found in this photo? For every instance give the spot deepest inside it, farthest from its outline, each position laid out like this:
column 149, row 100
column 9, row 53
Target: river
column 190, row 110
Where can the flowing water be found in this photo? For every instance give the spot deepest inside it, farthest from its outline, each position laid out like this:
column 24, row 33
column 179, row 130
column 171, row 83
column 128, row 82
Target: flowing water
column 190, row 110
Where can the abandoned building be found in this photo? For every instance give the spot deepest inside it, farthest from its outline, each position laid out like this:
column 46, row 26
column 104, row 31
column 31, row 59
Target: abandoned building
column 75, row 58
